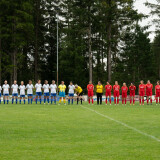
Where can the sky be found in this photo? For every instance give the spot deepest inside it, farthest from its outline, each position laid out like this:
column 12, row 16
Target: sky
column 140, row 6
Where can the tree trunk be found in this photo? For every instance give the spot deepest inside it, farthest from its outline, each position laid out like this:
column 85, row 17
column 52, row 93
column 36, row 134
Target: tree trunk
column 36, row 42
column 109, row 52
column 90, row 53
column 0, row 58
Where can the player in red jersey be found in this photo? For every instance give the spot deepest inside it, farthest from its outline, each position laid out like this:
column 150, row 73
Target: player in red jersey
column 132, row 89
column 108, row 88
column 116, row 89
column 124, row 89
column 142, row 90
column 157, row 92
column 149, row 88
column 90, row 88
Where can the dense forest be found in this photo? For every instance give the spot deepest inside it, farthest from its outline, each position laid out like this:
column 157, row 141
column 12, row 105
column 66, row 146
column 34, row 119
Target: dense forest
column 98, row 40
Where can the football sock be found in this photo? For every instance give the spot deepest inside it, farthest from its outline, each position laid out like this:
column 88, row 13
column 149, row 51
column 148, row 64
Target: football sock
column 114, row 100
column 77, row 100
column 31, row 100
column 60, row 101
column 72, row 101
column 16, row 100
column 147, row 101
column 156, row 100
column 48, row 100
column 68, row 101
column 143, row 100
column 7, row 101
column 106, row 100
column 81, row 100
column 118, row 101
column 36, row 100
column 40, row 101
column 64, row 101
column 159, row 99
column 0, row 101
column 20, row 101
column 12, row 100
column 28, row 100
column 44, row 100
column 151, row 100
column 140, row 100
column 89, row 100
column 122, row 101
column 55, row 101
column 92, row 101
column 24, row 101
column 125, row 101
column 110, row 101
column 4, row 101
column 130, row 101
column 133, row 101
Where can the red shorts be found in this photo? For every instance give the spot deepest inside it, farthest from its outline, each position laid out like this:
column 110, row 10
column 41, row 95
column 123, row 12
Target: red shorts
column 149, row 93
column 90, row 93
column 124, row 95
column 157, row 94
column 108, row 94
column 132, row 94
column 116, row 94
column 142, row 93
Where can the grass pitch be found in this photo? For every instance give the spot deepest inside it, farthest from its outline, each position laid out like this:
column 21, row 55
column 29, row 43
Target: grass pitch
column 74, row 132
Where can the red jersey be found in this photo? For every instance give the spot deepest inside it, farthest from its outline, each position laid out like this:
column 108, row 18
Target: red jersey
column 157, row 88
column 90, row 87
column 108, row 88
column 142, row 87
column 132, row 88
column 116, row 88
column 149, row 87
column 124, row 89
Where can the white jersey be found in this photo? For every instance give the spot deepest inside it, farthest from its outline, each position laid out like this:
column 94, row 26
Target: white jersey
column 15, row 88
column 46, row 88
column 38, row 87
column 22, row 89
column 5, row 89
column 53, row 88
column 29, row 88
column 0, row 89
column 71, row 89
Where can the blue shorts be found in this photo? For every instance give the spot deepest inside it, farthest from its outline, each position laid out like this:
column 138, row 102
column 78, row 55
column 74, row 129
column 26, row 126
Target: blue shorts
column 6, row 94
column 71, row 94
column 30, row 95
column 22, row 96
column 46, row 94
column 62, row 94
column 53, row 94
column 38, row 93
column 15, row 95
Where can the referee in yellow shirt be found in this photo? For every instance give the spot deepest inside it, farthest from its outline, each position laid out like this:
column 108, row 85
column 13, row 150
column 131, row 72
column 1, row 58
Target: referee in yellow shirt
column 99, row 91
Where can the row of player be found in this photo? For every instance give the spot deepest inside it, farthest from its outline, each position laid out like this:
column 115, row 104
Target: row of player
column 144, row 89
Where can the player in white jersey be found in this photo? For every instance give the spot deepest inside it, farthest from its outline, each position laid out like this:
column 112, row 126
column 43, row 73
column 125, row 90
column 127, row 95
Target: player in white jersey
column 71, row 88
column 0, row 93
column 22, row 89
column 38, row 87
column 5, row 91
column 14, row 91
column 53, row 88
column 29, row 88
column 46, row 91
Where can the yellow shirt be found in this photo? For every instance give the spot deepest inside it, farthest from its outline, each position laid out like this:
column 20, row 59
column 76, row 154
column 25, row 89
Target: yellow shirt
column 78, row 89
column 99, row 89
column 62, row 88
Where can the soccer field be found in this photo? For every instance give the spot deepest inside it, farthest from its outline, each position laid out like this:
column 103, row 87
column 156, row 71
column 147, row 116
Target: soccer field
column 79, row 132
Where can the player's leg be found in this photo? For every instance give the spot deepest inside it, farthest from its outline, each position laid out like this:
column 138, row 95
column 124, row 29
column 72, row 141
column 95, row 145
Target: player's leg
column 16, row 98
column 117, row 97
column 147, row 99
column 106, row 97
column 51, row 98
column 101, row 98
column 143, row 100
column 64, row 99
column 20, row 99
column 24, row 99
column 36, row 97
column 48, row 98
column 4, row 99
column 55, row 99
column 151, row 98
column 92, row 99
column 45, row 98
column 98, row 98
column 77, row 99
column 110, row 101
column 12, row 98
column 81, row 98
column 0, row 98
column 69, row 99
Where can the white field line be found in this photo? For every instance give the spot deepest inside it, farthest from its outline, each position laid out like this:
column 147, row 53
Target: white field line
column 123, row 124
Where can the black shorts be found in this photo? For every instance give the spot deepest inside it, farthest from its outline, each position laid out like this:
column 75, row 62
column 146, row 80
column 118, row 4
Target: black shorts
column 80, row 94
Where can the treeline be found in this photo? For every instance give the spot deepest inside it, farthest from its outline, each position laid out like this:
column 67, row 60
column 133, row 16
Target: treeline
column 98, row 40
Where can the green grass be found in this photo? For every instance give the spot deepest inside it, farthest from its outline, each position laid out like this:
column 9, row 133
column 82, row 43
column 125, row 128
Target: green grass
column 52, row 132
